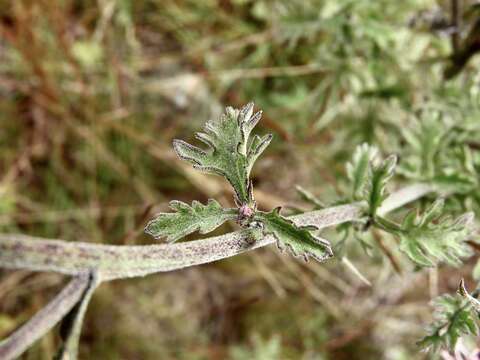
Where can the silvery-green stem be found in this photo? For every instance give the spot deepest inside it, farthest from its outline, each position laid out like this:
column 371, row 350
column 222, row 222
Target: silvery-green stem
column 73, row 328
column 45, row 319
column 119, row 261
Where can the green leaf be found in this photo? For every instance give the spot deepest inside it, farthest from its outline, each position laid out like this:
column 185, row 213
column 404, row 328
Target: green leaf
column 358, row 168
column 437, row 152
column 298, row 239
column 455, row 182
column 424, row 140
column 231, row 154
column 188, row 219
column 452, row 319
column 430, row 238
column 375, row 189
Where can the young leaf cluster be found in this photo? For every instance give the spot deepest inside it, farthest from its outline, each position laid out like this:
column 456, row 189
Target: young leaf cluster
column 427, row 238
column 453, row 317
column 231, row 154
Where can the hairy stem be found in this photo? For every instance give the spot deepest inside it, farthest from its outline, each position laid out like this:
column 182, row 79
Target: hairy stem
column 72, row 324
column 45, row 319
column 115, row 262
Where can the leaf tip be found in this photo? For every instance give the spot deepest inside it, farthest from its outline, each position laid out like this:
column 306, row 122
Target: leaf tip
column 462, row 291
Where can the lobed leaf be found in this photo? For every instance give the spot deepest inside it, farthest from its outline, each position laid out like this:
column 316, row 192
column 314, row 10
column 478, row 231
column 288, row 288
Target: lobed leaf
column 452, row 319
column 230, row 153
column 298, row 239
column 424, row 139
column 378, row 177
column 430, row 238
column 188, row 219
column 437, row 152
column 358, row 168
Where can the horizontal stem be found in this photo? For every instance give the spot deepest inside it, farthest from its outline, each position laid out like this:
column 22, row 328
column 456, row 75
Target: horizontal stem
column 120, row 261
column 404, row 196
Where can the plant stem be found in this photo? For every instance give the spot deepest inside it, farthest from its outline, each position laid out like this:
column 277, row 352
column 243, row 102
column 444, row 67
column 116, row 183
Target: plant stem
column 115, row 261
column 72, row 323
column 45, row 319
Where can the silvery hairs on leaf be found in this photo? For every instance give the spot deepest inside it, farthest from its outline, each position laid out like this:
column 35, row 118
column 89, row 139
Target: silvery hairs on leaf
column 378, row 176
column 430, row 238
column 299, row 240
column 358, row 168
column 230, row 152
column 452, row 319
column 187, row 219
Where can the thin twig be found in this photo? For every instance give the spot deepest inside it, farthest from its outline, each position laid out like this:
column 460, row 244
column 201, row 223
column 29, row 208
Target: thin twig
column 115, row 262
column 315, row 292
column 350, row 266
column 269, row 276
column 388, row 253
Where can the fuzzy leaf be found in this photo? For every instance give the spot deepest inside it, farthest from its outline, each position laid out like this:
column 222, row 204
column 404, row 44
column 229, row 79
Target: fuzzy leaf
column 454, row 182
column 358, row 168
column 230, row 153
column 430, row 238
column 187, row 219
column 298, row 239
column 375, row 189
column 424, row 139
column 452, row 319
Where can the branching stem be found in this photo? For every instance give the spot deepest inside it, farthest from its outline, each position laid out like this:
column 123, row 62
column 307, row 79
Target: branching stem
column 45, row 319
column 115, row 261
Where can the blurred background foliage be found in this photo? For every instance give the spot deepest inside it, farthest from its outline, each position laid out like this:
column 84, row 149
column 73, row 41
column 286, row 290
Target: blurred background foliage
column 93, row 92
